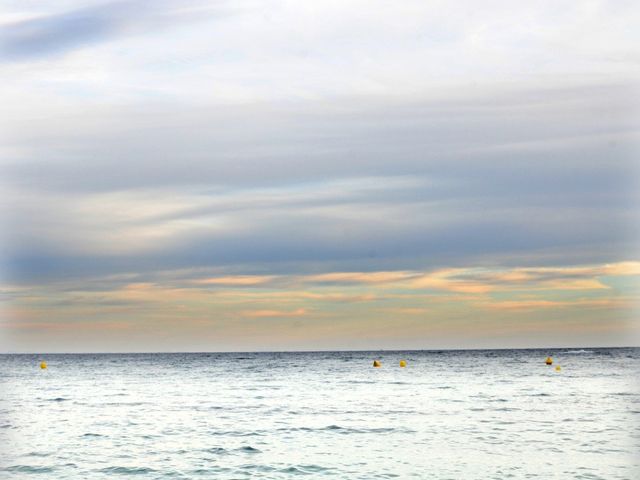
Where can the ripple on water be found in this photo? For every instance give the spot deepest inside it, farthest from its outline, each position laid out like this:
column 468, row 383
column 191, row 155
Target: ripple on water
column 216, row 450
column 237, row 433
column 28, row 469
column 37, row 454
column 347, row 430
column 248, row 449
column 293, row 471
column 127, row 470
column 257, row 468
column 313, row 468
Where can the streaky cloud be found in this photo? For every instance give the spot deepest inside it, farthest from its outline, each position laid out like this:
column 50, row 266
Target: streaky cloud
column 58, row 33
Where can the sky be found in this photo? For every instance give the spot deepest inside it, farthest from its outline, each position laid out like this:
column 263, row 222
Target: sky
column 277, row 175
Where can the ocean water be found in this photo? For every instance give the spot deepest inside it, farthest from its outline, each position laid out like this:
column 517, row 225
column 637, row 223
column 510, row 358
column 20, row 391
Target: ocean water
column 448, row 415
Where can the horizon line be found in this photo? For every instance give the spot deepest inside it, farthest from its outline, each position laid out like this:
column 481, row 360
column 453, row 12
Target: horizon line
column 318, row 351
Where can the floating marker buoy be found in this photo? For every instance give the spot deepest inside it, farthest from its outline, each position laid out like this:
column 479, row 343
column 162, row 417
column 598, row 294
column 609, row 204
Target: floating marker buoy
column 43, row 365
column 549, row 361
column 376, row 363
column 403, row 363
column 558, row 368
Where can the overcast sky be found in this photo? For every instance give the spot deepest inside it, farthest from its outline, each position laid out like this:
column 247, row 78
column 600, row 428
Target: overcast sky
column 211, row 175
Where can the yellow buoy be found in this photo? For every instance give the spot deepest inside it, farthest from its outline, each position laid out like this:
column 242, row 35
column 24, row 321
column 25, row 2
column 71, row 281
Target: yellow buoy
column 549, row 361
column 403, row 363
column 43, row 365
column 558, row 368
column 376, row 363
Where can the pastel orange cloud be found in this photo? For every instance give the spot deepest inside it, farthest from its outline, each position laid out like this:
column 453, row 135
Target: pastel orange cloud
column 476, row 281
column 529, row 305
column 236, row 280
column 622, row 268
column 579, row 284
column 360, row 277
column 445, row 280
column 300, row 312
column 139, row 286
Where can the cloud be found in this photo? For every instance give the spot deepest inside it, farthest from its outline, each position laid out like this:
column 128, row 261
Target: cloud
column 300, row 312
column 205, row 159
column 57, row 33
column 551, row 278
column 443, row 214
column 449, row 280
column 535, row 305
column 236, row 280
column 622, row 268
column 358, row 277
column 455, row 303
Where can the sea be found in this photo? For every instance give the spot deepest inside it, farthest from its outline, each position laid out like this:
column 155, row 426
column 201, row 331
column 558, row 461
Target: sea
column 481, row 414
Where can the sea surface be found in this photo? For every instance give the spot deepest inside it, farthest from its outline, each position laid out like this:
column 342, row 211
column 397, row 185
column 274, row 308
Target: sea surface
column 493, row 414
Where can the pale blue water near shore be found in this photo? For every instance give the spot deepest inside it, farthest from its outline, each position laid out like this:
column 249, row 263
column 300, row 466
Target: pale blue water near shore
column 448, row 415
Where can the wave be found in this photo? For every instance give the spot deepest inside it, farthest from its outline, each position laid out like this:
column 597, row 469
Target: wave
column 248, row 449
column 215, row 450
column 28, row 469
column 37, row 454
column 347, row 430
column 236, row 433
column 128, row 470
column 301, row 470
